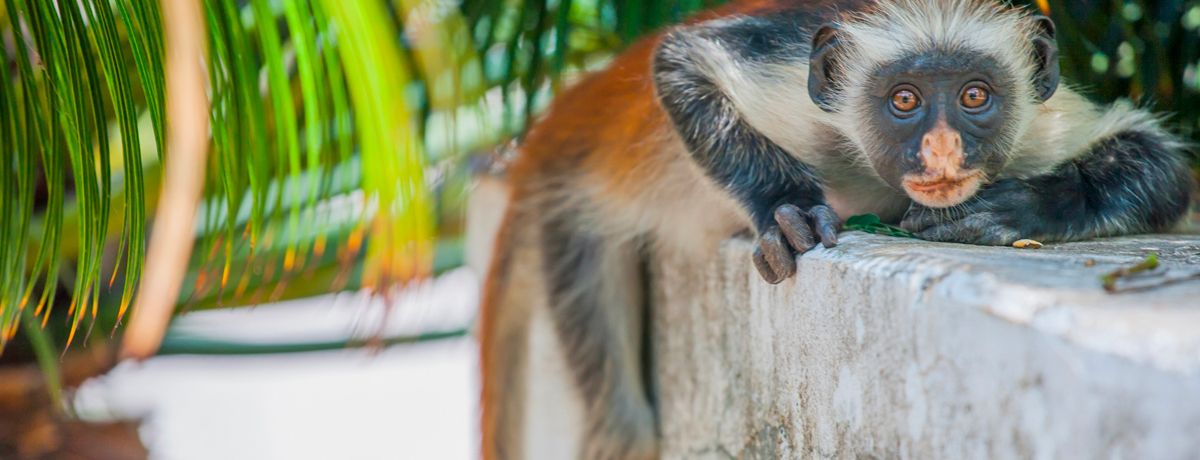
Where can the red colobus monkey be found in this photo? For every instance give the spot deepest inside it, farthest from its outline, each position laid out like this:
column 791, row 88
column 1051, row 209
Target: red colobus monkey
column 783, row 117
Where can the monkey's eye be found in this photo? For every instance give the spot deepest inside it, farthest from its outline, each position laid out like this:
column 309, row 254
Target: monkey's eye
column 905, row 100
column 975, row 97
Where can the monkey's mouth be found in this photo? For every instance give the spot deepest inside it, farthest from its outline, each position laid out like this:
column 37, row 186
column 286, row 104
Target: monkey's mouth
column 945, row 189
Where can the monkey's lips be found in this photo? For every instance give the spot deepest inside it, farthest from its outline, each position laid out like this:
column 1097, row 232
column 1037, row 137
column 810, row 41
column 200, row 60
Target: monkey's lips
column 942, row 190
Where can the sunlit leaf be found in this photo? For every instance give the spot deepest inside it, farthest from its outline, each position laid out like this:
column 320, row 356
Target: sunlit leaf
column 401, row 247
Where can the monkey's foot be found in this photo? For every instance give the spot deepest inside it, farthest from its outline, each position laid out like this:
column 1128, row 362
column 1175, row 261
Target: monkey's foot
column 796, row 231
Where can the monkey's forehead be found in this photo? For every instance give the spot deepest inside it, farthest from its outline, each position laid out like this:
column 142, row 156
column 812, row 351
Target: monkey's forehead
column 941, row 66
column 894, row 29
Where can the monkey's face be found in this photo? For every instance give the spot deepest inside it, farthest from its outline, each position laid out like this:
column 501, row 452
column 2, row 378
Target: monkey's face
column 945, row 115
column 935, row 102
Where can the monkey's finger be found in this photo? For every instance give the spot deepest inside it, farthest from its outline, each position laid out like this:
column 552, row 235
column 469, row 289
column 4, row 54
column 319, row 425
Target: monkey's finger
column 915, row 224
column 777, row 253
column 919, row 219
column 764, row 268
column 827, row 224
column 795, row 228
column 951, row 232
column 990, row 230
column 940, row 233
column 982, row 228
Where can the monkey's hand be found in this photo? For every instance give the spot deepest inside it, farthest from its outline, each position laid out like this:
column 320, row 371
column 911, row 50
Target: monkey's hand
column 998, row 215
column 794, row 231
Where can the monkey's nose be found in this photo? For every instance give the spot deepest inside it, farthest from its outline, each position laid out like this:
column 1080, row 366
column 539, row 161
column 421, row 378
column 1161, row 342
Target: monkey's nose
column 941, row 142
column 942, row 150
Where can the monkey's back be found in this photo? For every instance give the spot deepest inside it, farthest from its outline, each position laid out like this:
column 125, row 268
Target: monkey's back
column 614, row 110
column 607, row 138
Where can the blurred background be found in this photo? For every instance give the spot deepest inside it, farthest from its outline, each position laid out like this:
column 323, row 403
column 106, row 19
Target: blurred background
column 326, row 306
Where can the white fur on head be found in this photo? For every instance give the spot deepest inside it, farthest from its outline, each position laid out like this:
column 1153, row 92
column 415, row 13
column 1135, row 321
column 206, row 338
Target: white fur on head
column 899, row 28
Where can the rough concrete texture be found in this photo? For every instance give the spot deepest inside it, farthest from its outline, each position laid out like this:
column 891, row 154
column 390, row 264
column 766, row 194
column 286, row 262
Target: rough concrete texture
column 892, row 348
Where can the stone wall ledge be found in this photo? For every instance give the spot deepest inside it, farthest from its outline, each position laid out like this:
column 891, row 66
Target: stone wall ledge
column 895, row 348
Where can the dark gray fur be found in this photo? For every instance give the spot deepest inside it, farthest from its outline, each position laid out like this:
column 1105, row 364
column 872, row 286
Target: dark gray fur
column 602, row 342
column 756, row 171
column 1133, row 182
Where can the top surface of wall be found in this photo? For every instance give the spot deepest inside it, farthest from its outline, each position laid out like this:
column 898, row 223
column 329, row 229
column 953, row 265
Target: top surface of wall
column 1057, row 289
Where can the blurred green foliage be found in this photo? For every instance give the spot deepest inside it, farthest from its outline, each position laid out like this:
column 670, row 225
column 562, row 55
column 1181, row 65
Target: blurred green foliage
column 1146, row 50
column 529, row 48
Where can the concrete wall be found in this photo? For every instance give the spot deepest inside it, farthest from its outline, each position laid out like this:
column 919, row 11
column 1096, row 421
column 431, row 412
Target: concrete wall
column 894, row 348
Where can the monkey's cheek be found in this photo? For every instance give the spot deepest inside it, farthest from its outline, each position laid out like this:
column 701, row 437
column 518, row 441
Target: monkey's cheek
column 943, row 194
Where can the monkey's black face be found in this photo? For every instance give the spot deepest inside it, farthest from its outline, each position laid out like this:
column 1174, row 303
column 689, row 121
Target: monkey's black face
column 943, row 116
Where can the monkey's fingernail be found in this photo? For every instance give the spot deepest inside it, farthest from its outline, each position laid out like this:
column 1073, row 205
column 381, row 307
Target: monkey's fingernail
column 788, row 215
column 777, row 253
column 830, row 239
column 795, row 228
column 767, row 275
column 788, row 208
column 764, row 268
column 823, row 217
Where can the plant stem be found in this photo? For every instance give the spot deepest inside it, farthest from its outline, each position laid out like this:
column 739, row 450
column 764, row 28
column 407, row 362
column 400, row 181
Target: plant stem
column 47, row 357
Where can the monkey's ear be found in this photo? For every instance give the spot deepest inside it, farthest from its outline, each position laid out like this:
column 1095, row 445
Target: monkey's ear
column 1045, row 58
column 822, row 67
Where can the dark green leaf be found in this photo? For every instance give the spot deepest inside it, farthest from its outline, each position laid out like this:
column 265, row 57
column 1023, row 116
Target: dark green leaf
column 870, row 223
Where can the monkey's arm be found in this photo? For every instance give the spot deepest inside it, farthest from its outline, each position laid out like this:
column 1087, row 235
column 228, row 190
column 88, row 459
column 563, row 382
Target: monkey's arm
column 1133, row 181
column 693, row 69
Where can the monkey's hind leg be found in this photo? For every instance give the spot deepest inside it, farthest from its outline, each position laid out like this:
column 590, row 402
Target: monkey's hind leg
column 595, row 289
column 531, row 406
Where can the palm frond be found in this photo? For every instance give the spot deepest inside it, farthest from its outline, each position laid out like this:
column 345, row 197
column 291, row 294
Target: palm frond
column 71, row 82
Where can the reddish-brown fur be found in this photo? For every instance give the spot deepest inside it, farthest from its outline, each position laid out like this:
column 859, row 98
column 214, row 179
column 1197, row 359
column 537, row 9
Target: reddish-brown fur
column 606, row 129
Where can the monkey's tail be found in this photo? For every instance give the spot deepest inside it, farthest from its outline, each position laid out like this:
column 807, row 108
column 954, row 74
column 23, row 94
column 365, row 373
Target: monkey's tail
column 503, row 335
column 589, row 285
